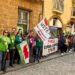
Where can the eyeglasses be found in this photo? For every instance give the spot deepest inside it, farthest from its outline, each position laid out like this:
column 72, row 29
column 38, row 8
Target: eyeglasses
column 13, row 29
column 5, row 32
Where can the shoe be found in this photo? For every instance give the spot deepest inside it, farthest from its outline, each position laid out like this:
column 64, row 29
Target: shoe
column 70, row 51
column 1, row 69
column 11, row 66
column 38, row 61
column 4, row 70
column 18, row 62
column 74, row 50
column 62, row 53
column 14, row 62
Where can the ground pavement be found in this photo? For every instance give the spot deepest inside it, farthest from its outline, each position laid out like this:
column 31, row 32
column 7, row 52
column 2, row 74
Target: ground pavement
column 64, row 65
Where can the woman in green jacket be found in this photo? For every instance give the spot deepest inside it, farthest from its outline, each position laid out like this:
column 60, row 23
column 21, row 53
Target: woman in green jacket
column 18, row 40
column 5, row 41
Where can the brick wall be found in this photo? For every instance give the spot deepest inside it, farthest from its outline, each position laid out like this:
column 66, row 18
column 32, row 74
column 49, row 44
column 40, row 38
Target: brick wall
column 9, row 13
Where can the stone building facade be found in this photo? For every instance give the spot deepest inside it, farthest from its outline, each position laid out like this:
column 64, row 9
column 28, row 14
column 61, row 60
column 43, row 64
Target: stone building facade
column 19, row 13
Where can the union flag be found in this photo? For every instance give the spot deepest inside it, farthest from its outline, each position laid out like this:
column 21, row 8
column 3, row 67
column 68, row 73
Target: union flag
column 23, row 49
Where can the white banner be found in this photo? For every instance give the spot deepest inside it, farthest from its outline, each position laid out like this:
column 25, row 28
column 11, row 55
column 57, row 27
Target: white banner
column 42, row 30
column 50, row 46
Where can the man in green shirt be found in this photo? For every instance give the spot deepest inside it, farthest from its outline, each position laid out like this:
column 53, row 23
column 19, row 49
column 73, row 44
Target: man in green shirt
column 12, row 46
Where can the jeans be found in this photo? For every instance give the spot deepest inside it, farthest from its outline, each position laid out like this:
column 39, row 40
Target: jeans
column 3, row 61
column 17, row 57
column 31, row 54
column 63, row 48
column 11, row 51
column 38, row 53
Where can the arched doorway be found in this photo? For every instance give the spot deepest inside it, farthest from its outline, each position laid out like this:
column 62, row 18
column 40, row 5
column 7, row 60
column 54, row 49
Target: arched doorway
column 56, row 22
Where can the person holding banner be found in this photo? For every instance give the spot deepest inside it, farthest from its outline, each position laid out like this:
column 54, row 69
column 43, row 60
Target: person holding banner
column 32, row 44
column 12, row 46
column 18, row 40
column 4, row 41
column 39, row 45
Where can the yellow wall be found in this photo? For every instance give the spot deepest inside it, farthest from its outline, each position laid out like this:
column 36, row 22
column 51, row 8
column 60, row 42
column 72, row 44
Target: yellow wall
column 48, row 7
column 65, row 16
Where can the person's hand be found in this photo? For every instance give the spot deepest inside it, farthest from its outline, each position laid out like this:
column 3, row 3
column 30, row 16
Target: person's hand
column 34, row 44
column 7, row 50
column 14, row 48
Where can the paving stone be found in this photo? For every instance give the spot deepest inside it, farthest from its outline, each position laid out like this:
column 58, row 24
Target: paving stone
column 60, row 66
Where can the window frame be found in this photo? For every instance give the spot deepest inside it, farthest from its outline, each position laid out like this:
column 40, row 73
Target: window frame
column 21, row 12
column 58, row 6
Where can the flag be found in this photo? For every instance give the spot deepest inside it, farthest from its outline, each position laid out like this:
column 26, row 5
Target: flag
column 42, row 29
column 23, row 49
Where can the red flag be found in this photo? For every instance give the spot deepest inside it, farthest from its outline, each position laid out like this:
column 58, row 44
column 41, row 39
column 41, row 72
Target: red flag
column 46, row 21
column 26, row 53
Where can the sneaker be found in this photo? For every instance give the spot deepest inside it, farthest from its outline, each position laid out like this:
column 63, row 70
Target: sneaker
column 11, row 65
column 70, row 51
column 1, row 69
column 4, row 70
column 62, row 53
column 38, row 61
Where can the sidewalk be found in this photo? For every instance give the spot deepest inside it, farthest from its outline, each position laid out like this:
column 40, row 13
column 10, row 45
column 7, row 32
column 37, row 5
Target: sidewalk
column 47, row 58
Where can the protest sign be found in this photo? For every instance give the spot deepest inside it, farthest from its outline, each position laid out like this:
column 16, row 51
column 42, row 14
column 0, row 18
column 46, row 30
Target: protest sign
column 42, row 29
column 50, row 46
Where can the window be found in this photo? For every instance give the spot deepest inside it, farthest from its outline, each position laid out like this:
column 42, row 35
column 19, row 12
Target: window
column 73, row 11
column 59, row 5
column 23, row 19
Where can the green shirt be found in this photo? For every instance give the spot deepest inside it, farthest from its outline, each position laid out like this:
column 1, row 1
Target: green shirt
column 12, row 39
column 4, row 41
column 39, row 42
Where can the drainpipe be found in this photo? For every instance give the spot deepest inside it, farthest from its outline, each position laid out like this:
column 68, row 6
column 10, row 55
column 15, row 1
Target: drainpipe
column 42, row 13
column 42, row 8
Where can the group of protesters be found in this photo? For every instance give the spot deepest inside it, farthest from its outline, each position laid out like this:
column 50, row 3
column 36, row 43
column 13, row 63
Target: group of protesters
column 10, row 40
column 66, row 43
